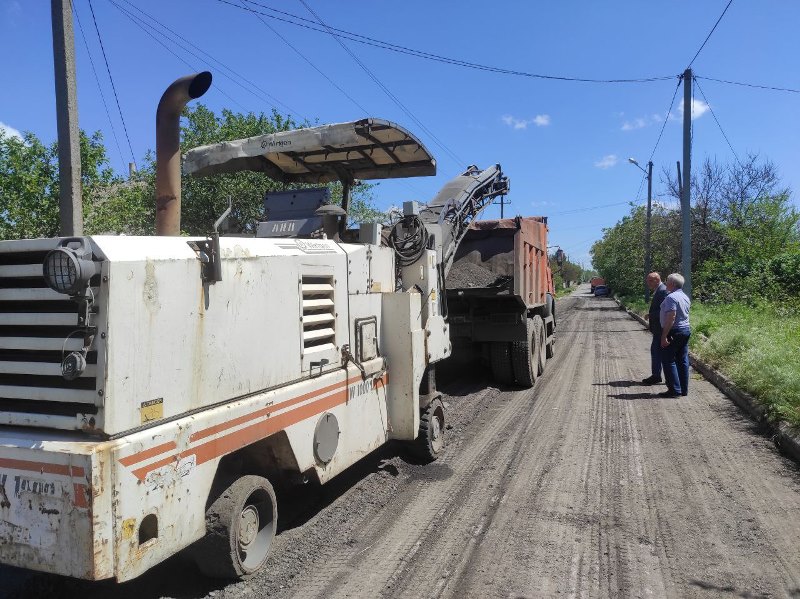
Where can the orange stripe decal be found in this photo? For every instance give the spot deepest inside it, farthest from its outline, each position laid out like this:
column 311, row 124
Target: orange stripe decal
column 212, row 430
column 250, row 434
column 41, row 467
column 148, row 453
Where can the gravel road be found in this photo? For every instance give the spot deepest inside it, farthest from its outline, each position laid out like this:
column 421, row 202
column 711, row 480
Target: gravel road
column 589, row 485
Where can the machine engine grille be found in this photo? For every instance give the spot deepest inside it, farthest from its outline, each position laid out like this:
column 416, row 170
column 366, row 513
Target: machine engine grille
column 38, row 326
column 319, row 315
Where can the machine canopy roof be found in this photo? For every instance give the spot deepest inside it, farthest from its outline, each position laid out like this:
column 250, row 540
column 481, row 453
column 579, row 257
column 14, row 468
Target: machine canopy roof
column 365, row 149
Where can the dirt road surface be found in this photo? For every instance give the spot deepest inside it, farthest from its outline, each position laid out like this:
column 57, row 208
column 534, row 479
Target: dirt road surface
column 589, row 485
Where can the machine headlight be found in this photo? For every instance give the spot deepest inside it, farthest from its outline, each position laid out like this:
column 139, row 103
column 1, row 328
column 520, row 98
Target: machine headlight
column 67, row 270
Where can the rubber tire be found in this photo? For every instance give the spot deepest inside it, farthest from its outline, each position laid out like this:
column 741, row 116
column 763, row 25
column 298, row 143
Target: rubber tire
column 218, row 555
column 541, row 337
column 523, row 357
column 550, row 351
column 429, row 443
column 500, row 358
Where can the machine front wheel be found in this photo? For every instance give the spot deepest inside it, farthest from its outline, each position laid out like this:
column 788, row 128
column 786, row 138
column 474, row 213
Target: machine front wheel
column 430, row 440
column 240, row 527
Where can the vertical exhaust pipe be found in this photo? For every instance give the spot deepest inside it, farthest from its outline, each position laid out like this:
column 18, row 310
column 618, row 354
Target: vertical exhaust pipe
column 168, row 149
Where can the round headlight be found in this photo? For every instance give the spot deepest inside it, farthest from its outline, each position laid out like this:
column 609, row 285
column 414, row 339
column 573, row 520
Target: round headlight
column 62, row 271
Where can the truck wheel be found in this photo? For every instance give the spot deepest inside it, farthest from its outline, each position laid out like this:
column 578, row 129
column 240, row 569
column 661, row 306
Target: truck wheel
column 430, row 440
column 500, row 357
column 540, row 352
column 240, row 527
column 549, row 350
column 524, row 356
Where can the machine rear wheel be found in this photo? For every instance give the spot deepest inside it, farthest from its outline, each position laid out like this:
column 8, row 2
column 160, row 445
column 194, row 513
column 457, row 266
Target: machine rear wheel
column 524, row 356
column 240, row 527
column 500, row 358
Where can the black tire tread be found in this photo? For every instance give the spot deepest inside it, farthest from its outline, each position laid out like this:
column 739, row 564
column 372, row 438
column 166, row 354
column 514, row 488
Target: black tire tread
column 522, row 358
column 500, row 358
column 422, row 447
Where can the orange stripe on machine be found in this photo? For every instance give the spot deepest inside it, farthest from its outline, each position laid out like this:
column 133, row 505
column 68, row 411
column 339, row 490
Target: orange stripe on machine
column 245, row 436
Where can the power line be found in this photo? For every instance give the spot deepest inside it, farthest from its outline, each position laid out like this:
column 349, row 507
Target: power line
column 587, row 208
column 755, row 85
column 113, row 87
column 301, row 55
column 703, row 45
column 99, row 87
column 666, row 118
column 702, row 93
column 299, row 21
column 460, row 163
column 263, row 95
column 141, row 24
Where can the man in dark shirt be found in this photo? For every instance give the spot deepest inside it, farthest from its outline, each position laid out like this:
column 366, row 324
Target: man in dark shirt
column 659, row 293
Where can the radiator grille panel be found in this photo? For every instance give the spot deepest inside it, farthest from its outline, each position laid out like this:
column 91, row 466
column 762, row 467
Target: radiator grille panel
column 35, row 327
column 319, row 313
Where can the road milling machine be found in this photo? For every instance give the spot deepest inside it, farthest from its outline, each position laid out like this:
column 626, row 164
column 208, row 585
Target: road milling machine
column 154, row 389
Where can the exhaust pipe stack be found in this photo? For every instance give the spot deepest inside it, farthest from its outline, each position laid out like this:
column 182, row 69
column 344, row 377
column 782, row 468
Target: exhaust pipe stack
column 168, row 150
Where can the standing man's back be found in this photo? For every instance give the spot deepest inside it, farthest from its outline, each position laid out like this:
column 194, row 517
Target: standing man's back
column 659, row 293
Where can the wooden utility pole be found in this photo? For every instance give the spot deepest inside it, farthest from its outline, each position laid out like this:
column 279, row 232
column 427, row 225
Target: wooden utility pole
column 69, row 154
column 686, row 199
column 647, row 243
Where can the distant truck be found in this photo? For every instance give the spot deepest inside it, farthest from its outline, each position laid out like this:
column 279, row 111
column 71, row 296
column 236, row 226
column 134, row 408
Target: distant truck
column 500, row 297
column 596, row 282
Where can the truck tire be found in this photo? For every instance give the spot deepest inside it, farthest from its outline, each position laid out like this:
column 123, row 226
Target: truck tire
column 540, row 353
column 549, row 350
column 500, row 358
column 240, row 527
column 524, row 356
column 430, row 440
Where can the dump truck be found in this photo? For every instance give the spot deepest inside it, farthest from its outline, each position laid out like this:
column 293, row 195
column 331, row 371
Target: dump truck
column 500, row 297
column 155, row 390
column 596, row 282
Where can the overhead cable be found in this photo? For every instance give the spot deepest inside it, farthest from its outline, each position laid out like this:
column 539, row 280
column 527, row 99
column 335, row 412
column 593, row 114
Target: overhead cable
column 301, row 55
column 298, row 21
column 711, row 110
column 386, row 90
column 235, row 77
column 99, row 87
column 146, row 27
column 703, row 45
column 113, row 87
column 755, row 85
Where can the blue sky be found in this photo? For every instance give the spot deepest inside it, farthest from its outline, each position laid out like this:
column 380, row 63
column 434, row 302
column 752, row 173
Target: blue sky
column 564, row 145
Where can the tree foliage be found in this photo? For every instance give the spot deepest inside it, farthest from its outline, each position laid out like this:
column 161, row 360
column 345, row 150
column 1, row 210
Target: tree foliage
column 745, row 235
column 29, row 183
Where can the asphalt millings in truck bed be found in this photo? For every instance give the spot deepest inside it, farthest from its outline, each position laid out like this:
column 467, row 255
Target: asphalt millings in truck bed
column 465, row 274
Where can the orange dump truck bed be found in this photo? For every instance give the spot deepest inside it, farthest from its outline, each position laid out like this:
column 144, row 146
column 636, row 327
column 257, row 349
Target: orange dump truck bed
column 505, row 256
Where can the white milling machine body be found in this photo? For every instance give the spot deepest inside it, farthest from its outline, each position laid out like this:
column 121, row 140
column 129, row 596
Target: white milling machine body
column 169, row 372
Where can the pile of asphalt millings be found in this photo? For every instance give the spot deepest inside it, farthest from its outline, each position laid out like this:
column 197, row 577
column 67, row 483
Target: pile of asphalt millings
column 465, row 274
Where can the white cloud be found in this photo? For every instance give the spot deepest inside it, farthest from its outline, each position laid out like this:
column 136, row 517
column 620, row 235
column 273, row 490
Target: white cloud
column 607, row 161
column 699, row 108
column 9, row 131
column 540, row 120
column 642, row 122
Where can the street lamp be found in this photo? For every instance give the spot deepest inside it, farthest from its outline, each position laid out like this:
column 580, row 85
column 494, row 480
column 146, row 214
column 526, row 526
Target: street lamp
column 649, row 173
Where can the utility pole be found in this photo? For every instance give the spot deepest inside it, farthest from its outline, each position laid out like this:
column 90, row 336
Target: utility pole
column 69, row 154
column 647, row 244
column 686, row 203
column 503, row 203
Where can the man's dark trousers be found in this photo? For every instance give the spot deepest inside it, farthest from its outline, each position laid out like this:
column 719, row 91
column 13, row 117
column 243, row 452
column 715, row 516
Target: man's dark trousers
column 655, row 356
column 675, row 358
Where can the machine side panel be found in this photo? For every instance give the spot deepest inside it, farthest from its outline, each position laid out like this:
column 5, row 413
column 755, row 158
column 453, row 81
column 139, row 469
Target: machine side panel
column 403, row 344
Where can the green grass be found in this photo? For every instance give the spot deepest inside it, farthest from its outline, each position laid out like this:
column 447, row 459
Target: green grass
column 757, row 347
column 561, row 292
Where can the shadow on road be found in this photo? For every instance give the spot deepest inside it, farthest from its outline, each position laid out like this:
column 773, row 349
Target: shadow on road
column 631, row 396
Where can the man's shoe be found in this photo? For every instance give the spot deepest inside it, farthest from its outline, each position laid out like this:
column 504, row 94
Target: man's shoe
column 651, row 380
column 669, row 394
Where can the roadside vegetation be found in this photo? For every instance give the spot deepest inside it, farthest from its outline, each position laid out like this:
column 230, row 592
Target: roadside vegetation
column 115, row 204
column 746, row 275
